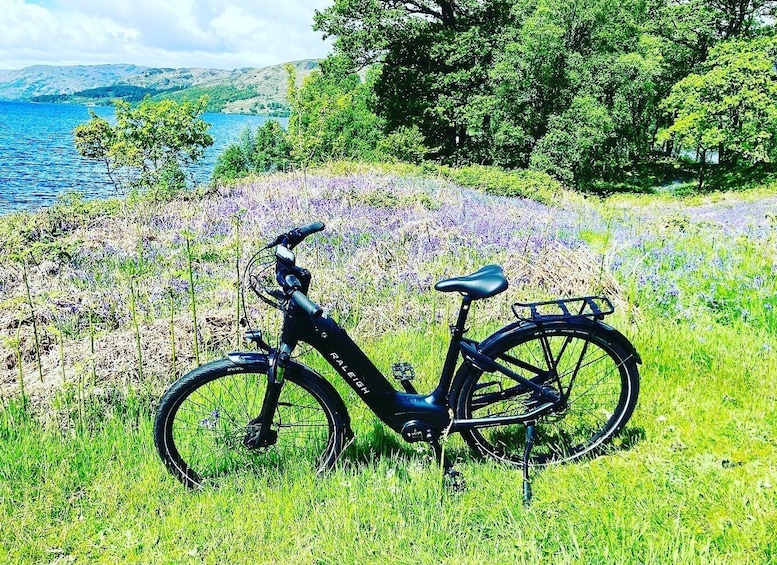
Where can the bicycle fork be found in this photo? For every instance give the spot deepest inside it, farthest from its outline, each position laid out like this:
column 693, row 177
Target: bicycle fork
column 265, row 436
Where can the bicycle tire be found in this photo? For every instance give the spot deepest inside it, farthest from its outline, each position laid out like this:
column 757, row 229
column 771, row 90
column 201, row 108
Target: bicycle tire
column 203, row 418
column 602, row 396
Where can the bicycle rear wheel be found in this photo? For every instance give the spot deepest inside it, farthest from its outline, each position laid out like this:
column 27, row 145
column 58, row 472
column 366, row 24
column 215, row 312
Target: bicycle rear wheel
column 597, row 375
column 203, row 422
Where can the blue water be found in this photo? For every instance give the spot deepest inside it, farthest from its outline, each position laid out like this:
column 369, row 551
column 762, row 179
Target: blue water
column 38, row 159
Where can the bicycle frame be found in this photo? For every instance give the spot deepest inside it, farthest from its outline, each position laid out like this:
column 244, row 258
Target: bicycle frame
column 416, row 416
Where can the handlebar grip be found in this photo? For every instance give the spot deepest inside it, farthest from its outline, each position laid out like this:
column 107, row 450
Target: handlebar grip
column 307, row 304
column 295, row 236
column 310, row 228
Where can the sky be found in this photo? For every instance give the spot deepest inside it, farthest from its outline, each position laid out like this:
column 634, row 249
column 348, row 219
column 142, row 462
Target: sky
column 221, row 34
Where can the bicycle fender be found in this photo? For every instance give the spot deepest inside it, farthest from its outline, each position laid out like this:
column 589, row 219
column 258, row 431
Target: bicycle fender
column 597, row 326
column 250, row 360
column 614, row 335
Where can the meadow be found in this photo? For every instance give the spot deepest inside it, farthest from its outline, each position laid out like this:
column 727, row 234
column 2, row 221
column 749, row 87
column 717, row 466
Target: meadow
column 103, row 304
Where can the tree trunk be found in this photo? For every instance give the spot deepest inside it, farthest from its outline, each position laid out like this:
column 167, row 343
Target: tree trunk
column 702, row 162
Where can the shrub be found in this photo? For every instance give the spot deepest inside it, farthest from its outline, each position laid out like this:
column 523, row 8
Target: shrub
column 267, row 150
column 405, row 144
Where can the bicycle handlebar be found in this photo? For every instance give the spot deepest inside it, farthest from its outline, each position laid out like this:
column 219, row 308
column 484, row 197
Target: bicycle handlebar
column 307, row 304
column 286, row 272
column 294, row 237
column 301, row 300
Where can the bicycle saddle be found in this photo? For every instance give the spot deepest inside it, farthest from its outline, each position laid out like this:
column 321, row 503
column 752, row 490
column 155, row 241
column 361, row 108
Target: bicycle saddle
column 483, row 283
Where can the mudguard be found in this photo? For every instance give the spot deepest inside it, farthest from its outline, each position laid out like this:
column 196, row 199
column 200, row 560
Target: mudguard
column 599, row 327
column 250, row 360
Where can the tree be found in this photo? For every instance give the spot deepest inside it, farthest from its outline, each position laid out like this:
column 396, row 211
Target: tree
column 266, row 151
column 93, row 140
column 434, row 58
column 151, row 145
column 730, row 107
column 517, row 83
column 331, row 117
column 576, row 143
column 272, row 150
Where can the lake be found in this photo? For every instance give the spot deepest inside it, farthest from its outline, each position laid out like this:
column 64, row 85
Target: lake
column 38, row 159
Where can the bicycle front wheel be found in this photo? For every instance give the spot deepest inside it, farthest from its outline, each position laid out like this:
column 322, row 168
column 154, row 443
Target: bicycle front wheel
column 204, row 422
column 595, row 374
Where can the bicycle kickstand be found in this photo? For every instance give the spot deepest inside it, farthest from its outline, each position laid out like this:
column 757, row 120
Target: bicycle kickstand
column 453, row 478
column 526, row 457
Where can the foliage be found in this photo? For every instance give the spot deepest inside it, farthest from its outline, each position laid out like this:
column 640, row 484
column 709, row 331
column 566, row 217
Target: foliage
column 150, row 146
column 330, row 116
column 576, row 142
column 434, row 57
column 533, row 185
column 573, row 88
column 729, row 108
column 272, row 149
column 266, row 151
column 405, row 144
column 330, row 120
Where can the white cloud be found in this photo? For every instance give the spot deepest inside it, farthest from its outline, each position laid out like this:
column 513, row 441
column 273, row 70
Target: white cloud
column 174, row 33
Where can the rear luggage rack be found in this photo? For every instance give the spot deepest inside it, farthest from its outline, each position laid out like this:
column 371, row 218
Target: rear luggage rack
column 592, row 307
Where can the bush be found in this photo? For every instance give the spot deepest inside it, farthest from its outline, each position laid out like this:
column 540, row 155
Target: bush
column 266, row 151
column 150, row 146
column 534, row 185
column 405, row 144
column 231, row 164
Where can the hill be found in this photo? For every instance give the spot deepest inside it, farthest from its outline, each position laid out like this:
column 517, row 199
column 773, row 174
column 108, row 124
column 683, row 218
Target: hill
column 246, row 90
column 40, row 80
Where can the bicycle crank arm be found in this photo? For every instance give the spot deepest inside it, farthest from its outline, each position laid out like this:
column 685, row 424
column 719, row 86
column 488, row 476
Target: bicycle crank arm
column 493, row 421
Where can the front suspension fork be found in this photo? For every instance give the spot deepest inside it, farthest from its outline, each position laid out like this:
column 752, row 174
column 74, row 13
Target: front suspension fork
column 266, row 436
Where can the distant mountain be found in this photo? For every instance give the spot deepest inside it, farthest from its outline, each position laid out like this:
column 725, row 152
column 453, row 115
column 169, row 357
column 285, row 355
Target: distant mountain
column 247, row 90
column 44, row 79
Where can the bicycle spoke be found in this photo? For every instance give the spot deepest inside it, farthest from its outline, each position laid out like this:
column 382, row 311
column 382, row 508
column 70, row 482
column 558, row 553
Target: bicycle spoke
column 587, row 374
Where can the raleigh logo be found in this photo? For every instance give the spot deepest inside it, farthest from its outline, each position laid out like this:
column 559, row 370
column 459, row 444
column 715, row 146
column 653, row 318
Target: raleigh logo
column 350, row 375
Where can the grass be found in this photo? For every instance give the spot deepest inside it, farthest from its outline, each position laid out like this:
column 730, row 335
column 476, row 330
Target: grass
column 692, row 480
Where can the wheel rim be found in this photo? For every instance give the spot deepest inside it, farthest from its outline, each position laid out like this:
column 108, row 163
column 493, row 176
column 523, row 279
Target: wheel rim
column 208, row 427
column 594, row 411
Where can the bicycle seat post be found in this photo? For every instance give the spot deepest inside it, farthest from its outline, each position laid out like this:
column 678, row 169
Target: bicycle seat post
column 451, row 359
column 457, row 330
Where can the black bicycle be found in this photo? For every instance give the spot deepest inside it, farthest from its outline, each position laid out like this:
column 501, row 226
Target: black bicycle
column 555, row 385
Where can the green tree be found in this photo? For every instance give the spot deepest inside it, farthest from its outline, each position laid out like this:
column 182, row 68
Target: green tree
column 150, row 146
column 94, row 140
column 730, row 107
column 576, row 143
column 272, row 151
column 434, row 58
column 266, row 151
column 520, row 82
column 555, row 56
column 405, row 144
column 331, row 117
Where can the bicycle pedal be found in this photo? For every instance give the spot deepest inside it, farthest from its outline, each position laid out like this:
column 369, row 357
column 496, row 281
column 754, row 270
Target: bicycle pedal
column 403, row 371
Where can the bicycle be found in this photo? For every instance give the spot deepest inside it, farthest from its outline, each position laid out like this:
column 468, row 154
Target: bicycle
column 555, row 385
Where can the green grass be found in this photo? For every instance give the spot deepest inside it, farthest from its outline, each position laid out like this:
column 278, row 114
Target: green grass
column 695, row 486
column 693, row 479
